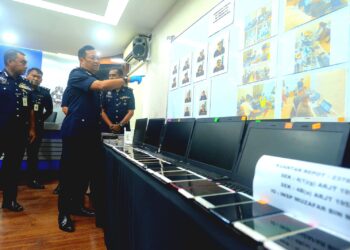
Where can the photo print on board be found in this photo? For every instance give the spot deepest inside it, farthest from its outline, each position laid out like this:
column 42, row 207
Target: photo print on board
column 218, row 54
column 173, row 76
column 185, row 70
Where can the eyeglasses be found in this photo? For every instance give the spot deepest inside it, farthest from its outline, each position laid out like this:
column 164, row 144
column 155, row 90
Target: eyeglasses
column 23, row 62
column 93, row 58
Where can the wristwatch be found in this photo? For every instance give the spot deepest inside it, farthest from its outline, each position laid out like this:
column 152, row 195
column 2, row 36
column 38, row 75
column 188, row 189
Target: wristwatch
column 120, row 124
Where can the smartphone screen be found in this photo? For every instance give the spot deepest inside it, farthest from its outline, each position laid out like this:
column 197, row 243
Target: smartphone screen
column 313, row 239
column 270, row 226
column 222, row 199
column 197, row 188
column 244, row 211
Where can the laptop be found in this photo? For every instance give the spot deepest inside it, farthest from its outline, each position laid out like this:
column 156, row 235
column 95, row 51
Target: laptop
column 173, row 148
column 323, row 109
column 215, row 145
column 324, row 143
column 153, row 134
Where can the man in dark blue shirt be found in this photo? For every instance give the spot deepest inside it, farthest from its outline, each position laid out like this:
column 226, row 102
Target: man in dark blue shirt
column 16, row 113
column 118, row 106
column 42, row 105
column 82, row 155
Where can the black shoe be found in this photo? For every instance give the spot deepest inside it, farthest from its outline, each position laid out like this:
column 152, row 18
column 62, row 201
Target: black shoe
column 82, row 211
column 35, row 184
column 65, row 223
column 57, row 190
column 13, row 206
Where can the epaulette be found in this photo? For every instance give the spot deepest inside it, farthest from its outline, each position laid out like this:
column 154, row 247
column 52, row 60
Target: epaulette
column 46, row 89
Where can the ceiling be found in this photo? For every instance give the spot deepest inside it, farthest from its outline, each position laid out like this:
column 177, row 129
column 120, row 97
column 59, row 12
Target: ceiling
column 51, row 31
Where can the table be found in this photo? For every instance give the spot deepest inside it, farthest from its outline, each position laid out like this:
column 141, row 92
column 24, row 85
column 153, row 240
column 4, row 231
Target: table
column 143, row 213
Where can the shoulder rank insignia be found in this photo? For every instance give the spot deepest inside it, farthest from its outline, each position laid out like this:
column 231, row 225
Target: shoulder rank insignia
column 24, row 86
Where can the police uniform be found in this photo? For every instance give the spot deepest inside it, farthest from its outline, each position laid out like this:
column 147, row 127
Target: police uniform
column 116, row 104
column 15, row 108
column 41, row 101
column 82, row 147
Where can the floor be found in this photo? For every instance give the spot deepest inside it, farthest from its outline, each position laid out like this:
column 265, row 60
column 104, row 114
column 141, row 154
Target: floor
column 36, row 227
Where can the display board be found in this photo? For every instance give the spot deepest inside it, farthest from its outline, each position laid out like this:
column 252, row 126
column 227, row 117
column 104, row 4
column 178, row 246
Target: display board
column 266, row 59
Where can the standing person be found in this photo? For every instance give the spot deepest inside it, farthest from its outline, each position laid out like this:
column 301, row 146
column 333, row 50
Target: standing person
column 118, row 106
column 64, row 107
column 82, row 147
column 16, row 113
column 42, row 105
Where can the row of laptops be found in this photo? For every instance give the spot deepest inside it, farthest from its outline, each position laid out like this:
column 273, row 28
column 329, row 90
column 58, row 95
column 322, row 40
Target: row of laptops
column 229, row 146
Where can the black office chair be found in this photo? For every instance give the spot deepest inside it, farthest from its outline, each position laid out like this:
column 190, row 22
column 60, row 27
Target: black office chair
column 52, row 117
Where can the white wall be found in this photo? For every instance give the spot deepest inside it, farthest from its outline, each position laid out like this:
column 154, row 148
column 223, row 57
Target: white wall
column 152, row 100
column 56, row 69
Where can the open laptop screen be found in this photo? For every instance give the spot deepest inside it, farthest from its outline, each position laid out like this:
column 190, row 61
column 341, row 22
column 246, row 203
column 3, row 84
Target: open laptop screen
column 216, row 142
column 139, row 132
column 177, row 136
column 326, row 146
column 153, row 131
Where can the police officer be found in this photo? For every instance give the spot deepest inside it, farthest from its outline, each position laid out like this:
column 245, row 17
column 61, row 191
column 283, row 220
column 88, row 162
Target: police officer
column 42, row 105
column 16, row 113
column 82, row 146
column 118, row 106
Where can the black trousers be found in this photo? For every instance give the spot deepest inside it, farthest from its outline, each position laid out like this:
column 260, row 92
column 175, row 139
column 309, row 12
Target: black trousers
column 12, row 146
column 32, row 156
column 82, row 163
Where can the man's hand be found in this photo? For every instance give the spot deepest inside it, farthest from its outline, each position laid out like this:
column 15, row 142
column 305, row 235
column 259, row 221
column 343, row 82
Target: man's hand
column 32, row 136
column 137, row 79
column 115, row 127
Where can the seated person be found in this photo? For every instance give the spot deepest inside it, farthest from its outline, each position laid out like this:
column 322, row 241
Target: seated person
column 185, row 79
column 219, row 49
column 203, row 96
column 203, row 109
column 201, row 56
column 219, row 66
column 200, row 71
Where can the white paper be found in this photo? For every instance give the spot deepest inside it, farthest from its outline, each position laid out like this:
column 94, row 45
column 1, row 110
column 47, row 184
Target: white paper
column 221, row 16
column 314, row 193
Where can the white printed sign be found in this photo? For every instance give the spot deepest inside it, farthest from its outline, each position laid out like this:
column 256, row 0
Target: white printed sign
column 221, row 16
column 314, row 193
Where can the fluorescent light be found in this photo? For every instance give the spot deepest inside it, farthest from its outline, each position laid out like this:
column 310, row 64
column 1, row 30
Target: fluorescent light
column 114, row 10
column 9, row 37
column 118, row 60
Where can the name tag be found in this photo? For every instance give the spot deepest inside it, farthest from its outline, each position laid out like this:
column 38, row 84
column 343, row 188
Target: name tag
column 25, row 101
column 36, row 107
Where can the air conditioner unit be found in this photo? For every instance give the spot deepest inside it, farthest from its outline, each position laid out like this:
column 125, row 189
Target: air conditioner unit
column 137, row 50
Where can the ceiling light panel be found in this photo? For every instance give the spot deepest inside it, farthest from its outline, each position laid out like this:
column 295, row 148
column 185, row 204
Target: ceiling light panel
column 114, row 10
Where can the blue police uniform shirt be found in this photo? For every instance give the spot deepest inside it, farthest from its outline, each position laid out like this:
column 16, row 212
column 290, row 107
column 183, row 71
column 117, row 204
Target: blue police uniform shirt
column 116, row 103
column 41, row 100
column 15, row 101
column 84, row 108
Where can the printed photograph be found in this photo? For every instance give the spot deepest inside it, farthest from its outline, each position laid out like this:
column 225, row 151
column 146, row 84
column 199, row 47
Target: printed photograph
column 320, row 94
column 257, row 102
column 173, row 75
column 218, row 49
column 298, row 12
column 256, row 63
column 313, row 47
column 258, row 25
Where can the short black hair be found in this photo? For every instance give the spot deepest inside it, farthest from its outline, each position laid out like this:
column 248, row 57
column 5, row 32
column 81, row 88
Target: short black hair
column 119, row 71
column 35, row 69
column 82, row 51
column 11, row 54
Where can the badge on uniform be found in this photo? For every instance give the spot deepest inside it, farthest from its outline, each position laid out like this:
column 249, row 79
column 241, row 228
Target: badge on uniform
column 25, row 101
column 24, row 87
column 3, row 80
column 36, row 107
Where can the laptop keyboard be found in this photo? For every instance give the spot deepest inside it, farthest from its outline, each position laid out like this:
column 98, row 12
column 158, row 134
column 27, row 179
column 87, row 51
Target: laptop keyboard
column 235, row 186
